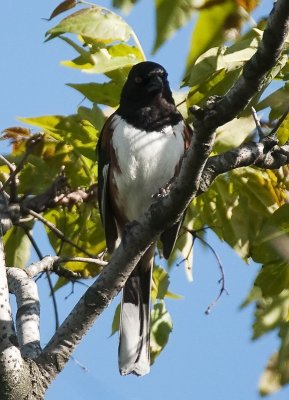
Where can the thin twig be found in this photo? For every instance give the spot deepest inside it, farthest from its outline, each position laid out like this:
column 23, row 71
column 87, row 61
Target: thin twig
column 56, row 231
column 258, row 124
column 181, row 102
column 221, row 280
column 219, row 262
column 11, row 166
column 40, row 256
column 96, row 261
column 82, row 366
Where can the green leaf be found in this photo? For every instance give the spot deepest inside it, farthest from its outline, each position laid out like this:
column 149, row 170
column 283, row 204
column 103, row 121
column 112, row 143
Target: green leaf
column 161, row 281
column 125, row 5
column 82, row 226
column 217, row 83
column 222, row 58
column 273, row 278
column 270, row 313
column 94, row 22
column 235, row 200
column 94, row 115
column 209, row 29
column 283, row 132
column 161, row 327
column 170, row 16
column 100, row 93
column 80, row 134
column 107, row 59
column 276, row 373
column 116, row 319
column 17, row 247
column 233, row 134
column 278, row 101
column 272, row 242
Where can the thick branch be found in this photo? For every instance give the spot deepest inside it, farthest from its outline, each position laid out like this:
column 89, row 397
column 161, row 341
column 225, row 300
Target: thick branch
column 52, row 264
column 28, row 311
column 14, row 376
column 247, row 154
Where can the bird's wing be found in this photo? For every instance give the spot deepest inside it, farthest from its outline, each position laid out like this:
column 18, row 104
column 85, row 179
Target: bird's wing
column 104, row 201
column 170, row 235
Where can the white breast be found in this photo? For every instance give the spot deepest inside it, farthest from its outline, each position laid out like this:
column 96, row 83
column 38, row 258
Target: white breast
column 147, row 162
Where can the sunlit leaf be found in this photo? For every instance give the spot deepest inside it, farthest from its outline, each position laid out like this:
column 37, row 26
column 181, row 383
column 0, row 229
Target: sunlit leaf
column 276, row 373
column 125, row 5
column 160, row 285
column 107, row 59
column 277, row 101
column 17, row 247
column 94, row 22
column 283, row 131
column 273, row 278
column 100, row 93
column 273, row 240
column 170, row 16
column 161, row 327
column 209, row 29
column 116, row 319
column 82, row 226
column 94, row 115
column 234, row 201
column 233, row 133
column 270, row 313
column 76, row 132
column 223, row 58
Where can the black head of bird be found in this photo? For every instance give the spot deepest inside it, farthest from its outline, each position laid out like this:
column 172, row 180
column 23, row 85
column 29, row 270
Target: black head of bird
column 146, row 99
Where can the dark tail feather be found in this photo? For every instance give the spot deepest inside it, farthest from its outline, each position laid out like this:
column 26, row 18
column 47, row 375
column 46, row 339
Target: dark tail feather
column 134, row 344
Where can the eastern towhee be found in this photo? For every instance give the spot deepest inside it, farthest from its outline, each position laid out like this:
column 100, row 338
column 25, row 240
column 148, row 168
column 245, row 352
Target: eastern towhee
column 140, row 150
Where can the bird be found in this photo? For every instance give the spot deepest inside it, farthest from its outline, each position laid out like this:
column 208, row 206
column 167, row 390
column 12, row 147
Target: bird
column 140, row 149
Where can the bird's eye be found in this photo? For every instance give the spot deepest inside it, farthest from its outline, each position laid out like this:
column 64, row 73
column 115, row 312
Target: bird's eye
column 138, row 79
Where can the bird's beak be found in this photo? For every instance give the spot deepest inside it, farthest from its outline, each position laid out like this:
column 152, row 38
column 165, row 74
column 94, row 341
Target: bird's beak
column 155, row 84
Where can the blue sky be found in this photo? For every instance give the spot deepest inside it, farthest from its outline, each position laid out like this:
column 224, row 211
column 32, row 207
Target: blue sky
column 207, row 356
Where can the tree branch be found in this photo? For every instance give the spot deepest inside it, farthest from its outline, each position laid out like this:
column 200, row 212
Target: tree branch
column 28, row 311
column 247, row 154
column 11, row 362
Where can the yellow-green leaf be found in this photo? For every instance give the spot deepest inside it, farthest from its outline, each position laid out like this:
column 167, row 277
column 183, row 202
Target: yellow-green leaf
column 161, row 327
column 17, row 247
column 209, row 29
column 170, row 16
column 95, row 22
column 116, row 319
column 283, row 132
